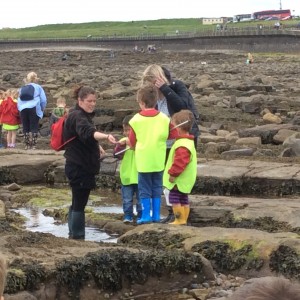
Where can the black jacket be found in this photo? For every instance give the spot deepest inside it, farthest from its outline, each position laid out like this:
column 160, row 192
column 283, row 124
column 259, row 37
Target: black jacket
column 179, row 97
column 84, row 149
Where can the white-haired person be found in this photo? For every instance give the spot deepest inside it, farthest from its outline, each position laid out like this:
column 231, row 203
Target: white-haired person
column 32, row 102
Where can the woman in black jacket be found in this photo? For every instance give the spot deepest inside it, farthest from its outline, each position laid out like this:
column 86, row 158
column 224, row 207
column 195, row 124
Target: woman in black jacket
column 82, row 156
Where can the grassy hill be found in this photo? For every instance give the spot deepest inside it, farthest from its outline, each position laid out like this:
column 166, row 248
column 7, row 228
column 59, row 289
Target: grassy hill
column 133, row 28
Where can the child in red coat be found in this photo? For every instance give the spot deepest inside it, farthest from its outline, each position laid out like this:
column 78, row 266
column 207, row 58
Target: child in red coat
column 9, row 117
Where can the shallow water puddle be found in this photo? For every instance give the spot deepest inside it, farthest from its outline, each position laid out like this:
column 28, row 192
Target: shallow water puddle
column 37, row 222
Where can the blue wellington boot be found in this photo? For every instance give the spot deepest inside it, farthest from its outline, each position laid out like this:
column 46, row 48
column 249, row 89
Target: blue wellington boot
column 146, row 218
column 78, row 225
column 156, row 210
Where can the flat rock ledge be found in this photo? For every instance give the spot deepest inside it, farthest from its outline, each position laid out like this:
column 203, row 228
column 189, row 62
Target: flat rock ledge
column 243, row 252
column 216, row 177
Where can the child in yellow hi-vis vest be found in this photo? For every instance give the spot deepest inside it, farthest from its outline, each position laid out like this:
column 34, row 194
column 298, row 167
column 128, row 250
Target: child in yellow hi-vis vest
column 181, row 167
column 149, row 132
column 128, row 175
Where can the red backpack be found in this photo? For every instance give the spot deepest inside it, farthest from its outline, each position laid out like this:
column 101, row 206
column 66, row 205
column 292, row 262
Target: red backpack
column 56, row 142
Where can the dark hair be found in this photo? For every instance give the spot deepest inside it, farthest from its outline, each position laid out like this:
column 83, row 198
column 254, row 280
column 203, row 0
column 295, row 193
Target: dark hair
column 81, row 92
column 126, row 120
column 148, row 95
column 167, row 74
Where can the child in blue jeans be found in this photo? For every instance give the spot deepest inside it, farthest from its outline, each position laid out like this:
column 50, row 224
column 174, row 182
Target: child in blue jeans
column 149, row 132
column 128, row 175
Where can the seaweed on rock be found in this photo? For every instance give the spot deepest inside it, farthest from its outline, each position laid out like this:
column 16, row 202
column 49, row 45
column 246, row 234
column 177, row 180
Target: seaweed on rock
column 224, row 257
column 6, row 176
column 24, row 276
column 109, row 269
column 285, row 261
column 155, row 240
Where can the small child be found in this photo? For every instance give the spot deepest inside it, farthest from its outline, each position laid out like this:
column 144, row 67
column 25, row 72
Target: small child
column 2, row 95
column 59, row 111
column 149, row 132
column 128, row 175
column 10, row 117
column 181, row 168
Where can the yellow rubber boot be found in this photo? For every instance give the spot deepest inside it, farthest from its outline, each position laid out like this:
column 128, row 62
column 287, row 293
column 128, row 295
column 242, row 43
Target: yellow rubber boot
column 179, row 215
column 186, row 212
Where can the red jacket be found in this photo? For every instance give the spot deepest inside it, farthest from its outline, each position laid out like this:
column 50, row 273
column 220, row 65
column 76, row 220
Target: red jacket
column 9, row 113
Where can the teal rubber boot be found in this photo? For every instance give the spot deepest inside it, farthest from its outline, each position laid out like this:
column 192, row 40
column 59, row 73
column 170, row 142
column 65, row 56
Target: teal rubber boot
column 70, row 221
column 78, row 225
column 146, row 218
column 156, row 210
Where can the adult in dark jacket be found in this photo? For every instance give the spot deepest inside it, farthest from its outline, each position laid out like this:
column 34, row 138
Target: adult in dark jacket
column 174, row 93
column 174, row 96
column 82, row 156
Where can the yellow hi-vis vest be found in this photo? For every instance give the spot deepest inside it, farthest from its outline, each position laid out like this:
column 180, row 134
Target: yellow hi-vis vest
column 186, row 180
column 128, row 171
column 151, row 135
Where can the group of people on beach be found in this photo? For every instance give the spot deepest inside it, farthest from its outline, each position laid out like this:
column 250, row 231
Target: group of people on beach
column 158, row 150
column 22, row 106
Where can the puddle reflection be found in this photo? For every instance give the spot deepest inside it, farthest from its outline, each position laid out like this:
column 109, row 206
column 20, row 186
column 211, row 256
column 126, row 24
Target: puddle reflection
column 37, row 222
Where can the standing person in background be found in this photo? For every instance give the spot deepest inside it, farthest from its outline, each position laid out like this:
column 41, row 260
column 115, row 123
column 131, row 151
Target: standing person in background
column 173, row 97
column 3, row 271
column 129, row 175
column 149, row 132
column 82, row 156
column 31, row 107
column 58, row 111
column 181, row 168
column 249, row 58
column 9, row 117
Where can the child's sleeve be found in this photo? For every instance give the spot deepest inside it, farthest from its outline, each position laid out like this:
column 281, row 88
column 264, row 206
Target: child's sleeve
column 173, row 132
column 181, row 159
column 132, row 138
column 119, row 148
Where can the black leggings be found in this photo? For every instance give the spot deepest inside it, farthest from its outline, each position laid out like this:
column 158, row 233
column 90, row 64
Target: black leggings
column 30, row 120
column 81, row 183
column 80, row 198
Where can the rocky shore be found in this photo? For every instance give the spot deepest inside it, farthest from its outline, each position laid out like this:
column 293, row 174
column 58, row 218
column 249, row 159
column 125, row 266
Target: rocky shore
column 244, row 220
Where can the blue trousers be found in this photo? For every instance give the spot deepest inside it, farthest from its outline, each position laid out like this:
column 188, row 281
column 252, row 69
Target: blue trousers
column 128, row 192
column 150, row 185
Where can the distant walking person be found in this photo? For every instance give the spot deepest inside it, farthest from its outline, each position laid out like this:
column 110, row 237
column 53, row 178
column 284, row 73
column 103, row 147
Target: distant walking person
column 32, row 102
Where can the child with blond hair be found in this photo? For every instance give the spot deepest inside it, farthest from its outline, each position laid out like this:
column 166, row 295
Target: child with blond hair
column 10, row 117
column 181, row 167
column 59, row 111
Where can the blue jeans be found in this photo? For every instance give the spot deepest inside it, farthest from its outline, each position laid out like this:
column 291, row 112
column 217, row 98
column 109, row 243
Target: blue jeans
column 128, row 192
column 150, row 185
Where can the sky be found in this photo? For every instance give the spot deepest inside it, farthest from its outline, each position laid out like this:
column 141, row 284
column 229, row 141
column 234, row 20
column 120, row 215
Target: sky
column 27, row 13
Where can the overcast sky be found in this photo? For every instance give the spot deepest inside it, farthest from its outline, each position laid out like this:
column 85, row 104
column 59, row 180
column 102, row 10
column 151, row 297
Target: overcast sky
column 26, row 13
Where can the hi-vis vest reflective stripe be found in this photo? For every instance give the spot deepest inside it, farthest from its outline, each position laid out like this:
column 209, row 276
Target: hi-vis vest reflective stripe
column 151, row 136
column 186, row 180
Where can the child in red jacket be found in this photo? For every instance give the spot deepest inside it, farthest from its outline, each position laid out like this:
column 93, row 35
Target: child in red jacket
column 9, row 117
